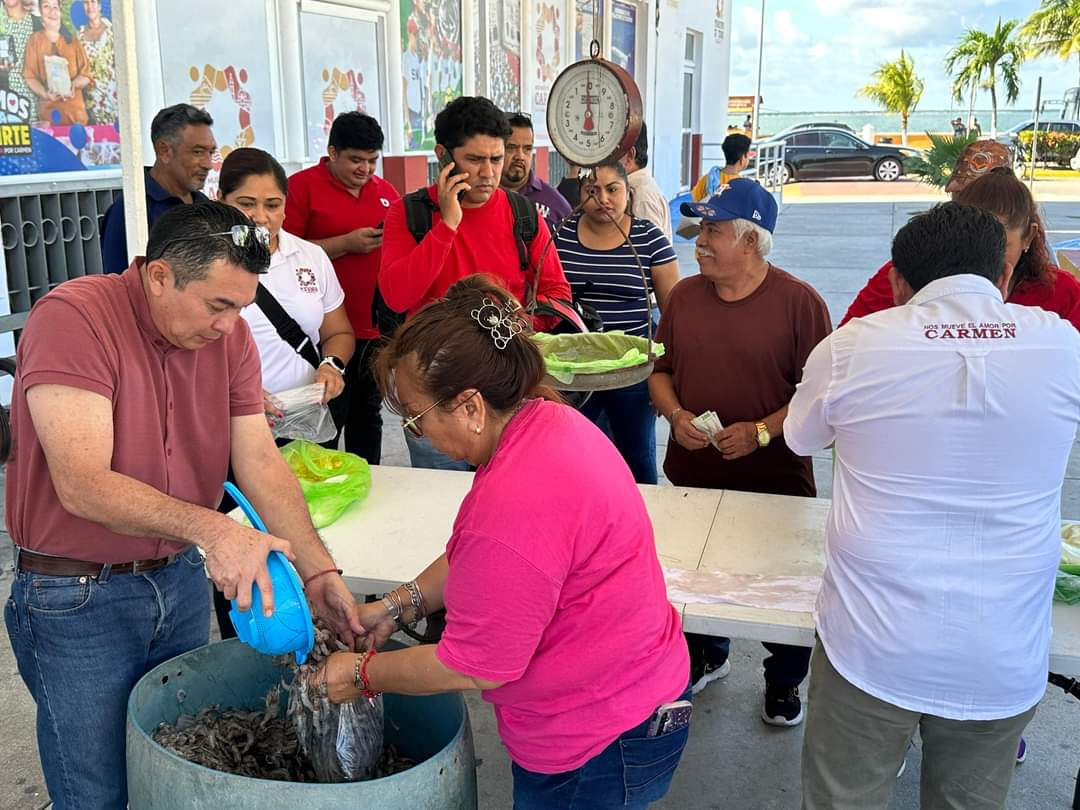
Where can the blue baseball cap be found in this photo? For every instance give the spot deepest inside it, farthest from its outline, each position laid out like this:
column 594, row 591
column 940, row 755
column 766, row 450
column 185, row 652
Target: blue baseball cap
column 742, row 198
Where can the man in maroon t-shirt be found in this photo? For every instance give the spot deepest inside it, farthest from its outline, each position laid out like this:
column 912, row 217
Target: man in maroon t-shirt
column 340, row 204
column 133, row 393
column 736, row 338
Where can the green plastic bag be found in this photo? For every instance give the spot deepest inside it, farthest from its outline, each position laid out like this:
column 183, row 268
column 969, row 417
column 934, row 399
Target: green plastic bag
column 592, row 352
column 1067, row 587
column 332, row 480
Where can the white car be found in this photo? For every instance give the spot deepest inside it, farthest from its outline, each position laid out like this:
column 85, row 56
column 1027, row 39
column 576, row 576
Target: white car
column 1075, row 162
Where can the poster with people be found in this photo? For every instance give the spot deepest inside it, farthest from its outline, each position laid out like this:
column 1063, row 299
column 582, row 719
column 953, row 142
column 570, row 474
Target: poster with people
column 548, row 57
column 59, row 110
column 431, row 71
column 341, row 73
column 623, row 35
column 498, row 53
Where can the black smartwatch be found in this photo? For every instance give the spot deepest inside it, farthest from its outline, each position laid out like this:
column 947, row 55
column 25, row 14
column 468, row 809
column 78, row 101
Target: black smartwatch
column 335, row 362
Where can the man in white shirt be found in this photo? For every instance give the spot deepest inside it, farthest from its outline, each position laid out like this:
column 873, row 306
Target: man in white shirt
column 647, row 201
column 952, row 419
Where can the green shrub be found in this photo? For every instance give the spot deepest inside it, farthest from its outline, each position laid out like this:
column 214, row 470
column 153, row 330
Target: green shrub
column 1054, row 147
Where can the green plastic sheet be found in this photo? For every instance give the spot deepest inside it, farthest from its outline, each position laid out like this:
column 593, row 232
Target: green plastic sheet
column 332, row 480
column 593, row 353
column 1067, row 585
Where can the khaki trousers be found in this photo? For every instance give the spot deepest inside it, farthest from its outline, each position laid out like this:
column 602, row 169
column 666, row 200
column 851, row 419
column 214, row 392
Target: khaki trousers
column 854, row 744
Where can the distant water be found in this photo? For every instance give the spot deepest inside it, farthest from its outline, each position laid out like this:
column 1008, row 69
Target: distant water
column 921, row 120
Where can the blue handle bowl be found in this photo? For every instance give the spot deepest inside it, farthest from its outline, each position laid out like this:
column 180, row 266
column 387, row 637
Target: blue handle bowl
column 289, row 629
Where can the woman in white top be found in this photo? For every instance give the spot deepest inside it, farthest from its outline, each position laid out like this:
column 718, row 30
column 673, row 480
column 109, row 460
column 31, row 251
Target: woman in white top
column 301, row 278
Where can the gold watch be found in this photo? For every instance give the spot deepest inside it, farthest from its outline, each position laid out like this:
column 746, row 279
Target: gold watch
column 763, row 437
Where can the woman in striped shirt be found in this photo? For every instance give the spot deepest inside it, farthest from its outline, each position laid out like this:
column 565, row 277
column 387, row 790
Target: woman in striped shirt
column 600, row 266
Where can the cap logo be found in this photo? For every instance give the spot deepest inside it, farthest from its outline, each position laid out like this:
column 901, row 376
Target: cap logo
column 757, row 215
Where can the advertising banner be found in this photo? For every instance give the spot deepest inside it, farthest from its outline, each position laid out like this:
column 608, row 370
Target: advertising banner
column 58, row 102
column 431, row 71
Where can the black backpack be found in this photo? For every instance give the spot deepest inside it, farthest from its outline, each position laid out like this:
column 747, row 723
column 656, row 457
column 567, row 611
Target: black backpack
column 419, row 208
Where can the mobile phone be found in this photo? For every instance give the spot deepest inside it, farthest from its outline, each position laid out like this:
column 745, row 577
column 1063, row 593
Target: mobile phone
column 670, row 717
column 445, row 159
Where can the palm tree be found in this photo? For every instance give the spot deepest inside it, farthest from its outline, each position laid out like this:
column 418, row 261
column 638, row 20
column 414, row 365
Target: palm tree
column 896, row 89
column 966, row 70
column 979, row 53
column 936, row 164
column 1054, row 29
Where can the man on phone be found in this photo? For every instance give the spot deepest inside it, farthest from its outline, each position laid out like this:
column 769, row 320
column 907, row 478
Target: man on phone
column 472, row 230
column 340, row 204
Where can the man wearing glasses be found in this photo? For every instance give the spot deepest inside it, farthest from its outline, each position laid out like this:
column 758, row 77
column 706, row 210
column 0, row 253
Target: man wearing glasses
column 134, row 393
column 518, row 174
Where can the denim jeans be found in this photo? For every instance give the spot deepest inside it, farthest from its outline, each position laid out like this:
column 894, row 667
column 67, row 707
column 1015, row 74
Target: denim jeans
column 81, row 644
column 424, row 456
column 632, row 426
column 633, row 771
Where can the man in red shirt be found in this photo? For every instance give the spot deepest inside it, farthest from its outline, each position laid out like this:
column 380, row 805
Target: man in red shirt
column 472, row 230
column 133, row 392
column 340, row 204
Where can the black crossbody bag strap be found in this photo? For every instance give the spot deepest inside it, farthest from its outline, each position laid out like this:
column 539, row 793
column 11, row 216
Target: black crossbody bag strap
column 287, row 327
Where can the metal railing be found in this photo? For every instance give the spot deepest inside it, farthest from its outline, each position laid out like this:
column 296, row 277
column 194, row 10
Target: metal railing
column 769, row 168
column 48, row 237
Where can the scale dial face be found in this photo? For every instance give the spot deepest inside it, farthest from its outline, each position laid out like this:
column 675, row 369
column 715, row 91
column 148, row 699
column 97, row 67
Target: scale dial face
column 594, row 112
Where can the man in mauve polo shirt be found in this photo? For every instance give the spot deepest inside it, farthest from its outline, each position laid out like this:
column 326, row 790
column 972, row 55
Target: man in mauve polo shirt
column 340, row 204
column 184, row 148
column 518, row 174
column 133, row 393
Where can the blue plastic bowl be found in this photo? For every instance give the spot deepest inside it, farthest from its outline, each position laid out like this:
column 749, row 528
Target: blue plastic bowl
column 289, row 629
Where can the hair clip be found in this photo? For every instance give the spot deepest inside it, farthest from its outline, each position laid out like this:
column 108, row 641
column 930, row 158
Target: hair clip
column 501, row 322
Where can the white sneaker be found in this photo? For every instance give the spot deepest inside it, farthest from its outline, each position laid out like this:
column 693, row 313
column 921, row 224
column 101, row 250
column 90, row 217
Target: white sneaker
column 710, row 674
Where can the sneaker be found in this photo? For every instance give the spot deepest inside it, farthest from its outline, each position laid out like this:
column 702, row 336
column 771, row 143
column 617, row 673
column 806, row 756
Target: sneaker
column 782, row 706
column 704, row 673
column 1021, row 751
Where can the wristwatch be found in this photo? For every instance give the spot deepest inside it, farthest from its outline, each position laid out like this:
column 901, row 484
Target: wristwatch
column 763, row 437
column 335, row 362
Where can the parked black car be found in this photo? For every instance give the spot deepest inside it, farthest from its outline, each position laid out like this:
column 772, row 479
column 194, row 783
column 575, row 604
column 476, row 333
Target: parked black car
column 833, row 152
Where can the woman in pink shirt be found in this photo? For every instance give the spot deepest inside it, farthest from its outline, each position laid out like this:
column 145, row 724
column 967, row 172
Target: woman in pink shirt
column 555, row 602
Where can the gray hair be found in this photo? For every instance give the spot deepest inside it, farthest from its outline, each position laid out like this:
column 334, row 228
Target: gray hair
column 192, row 237
column 171, row 121
column 764, row 238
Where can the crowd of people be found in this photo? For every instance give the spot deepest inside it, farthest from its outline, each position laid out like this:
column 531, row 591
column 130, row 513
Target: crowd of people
column 127, row 383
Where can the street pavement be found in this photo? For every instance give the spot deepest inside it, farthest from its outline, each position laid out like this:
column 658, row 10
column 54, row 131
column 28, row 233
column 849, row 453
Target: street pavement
column 733, row 760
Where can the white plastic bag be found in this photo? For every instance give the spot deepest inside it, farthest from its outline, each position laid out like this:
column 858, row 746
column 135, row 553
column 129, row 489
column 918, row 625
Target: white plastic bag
column 304, row 414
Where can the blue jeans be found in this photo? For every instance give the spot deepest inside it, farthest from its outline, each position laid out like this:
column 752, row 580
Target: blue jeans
column 81, row 644
column 424, row 456
column 633, row 771
column 632, row 423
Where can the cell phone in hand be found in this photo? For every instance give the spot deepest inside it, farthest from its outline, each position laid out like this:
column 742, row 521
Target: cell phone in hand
column 445, row 159
column 670, row 717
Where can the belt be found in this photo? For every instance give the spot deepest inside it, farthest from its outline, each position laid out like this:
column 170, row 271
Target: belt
column 65, row 567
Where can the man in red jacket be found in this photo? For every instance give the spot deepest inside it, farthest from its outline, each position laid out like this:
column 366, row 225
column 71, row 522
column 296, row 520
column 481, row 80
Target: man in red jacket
column 340, row 205
column 472, row 231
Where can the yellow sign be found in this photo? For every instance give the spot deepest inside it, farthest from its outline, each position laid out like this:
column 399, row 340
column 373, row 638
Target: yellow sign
column 740, row 104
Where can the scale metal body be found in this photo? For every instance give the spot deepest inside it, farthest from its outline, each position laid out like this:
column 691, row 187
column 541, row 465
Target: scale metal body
column 593, row 112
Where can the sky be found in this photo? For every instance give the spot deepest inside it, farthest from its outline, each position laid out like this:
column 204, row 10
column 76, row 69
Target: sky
column 819, row 52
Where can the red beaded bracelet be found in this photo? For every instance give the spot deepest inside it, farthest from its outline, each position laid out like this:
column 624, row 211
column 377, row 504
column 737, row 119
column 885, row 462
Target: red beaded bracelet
column 360, row 678
column 314, row 577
